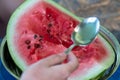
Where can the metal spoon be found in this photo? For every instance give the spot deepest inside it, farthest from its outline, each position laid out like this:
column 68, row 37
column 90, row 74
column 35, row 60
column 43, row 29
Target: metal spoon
column 85, row 32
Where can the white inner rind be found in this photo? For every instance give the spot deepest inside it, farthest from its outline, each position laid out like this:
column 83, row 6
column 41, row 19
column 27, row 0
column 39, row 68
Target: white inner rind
column 11, row 31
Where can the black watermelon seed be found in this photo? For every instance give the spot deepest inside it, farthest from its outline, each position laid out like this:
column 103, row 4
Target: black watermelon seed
column 48, row 30
column 41, row 36
column 35, row 36
column 40, row 40
column 49, row 25
column 50, row 36
column 28, row 47
column 37, row 45
column 27, row 42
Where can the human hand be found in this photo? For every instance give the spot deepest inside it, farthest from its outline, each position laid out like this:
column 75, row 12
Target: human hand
column 51, row 68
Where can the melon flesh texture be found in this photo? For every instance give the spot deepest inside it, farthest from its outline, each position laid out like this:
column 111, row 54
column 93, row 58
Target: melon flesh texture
column 44, row 30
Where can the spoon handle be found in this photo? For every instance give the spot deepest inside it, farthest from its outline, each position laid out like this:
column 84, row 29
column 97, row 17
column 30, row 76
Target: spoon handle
column 70, row 48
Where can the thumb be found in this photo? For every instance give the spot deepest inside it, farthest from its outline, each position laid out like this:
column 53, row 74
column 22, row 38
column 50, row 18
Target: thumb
column 54, row 59
column 72, row 64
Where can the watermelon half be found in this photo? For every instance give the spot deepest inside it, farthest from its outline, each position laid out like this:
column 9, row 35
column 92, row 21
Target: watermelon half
column 40, row 28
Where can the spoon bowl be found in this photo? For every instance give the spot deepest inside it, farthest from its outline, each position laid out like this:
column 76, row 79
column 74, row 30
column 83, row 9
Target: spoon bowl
column 85, row 32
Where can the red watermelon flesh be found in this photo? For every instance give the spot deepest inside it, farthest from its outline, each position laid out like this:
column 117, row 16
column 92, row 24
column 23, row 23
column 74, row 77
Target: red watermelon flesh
column 50, row 34
column 44, row 30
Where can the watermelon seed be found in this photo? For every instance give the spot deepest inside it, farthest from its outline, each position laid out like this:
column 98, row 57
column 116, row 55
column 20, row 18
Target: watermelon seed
column 40, row 40
column 41, row 37
column 51, row 36
column 48, row 31
column 49, row 25
column 27, row 42
column 37, row 45
column 35, row 36
column 29, row 47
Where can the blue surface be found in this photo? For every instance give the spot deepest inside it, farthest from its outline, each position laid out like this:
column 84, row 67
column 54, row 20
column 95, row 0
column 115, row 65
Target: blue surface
column 4, row 75
column 116, row 75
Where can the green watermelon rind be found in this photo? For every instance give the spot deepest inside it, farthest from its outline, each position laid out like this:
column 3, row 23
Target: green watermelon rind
column 2, row 58
column 16, row 70
column 16, row 16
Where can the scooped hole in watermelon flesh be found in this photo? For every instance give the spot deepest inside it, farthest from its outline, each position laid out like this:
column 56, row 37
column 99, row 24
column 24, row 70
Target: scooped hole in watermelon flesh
column 45, row 30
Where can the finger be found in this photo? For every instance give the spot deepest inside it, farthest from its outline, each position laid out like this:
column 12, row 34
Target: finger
column 72, row 64
column 54, row 59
